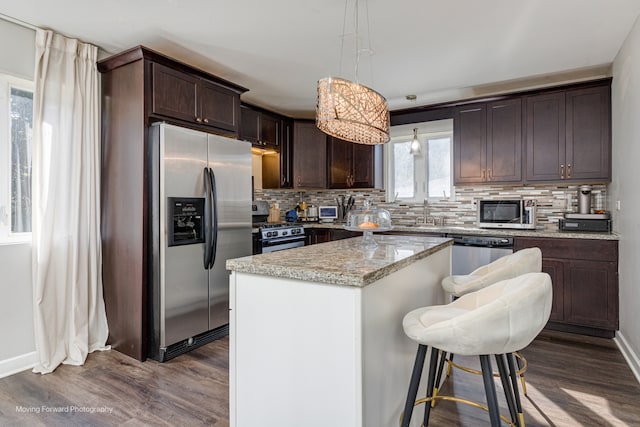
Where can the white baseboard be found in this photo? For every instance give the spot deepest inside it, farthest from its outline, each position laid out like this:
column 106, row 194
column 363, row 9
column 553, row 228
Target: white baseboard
column 630, row 356
column 18, row 364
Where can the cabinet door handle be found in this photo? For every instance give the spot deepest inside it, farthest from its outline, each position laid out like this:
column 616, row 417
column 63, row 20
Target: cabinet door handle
column 198, row 119
column 483, row 175
column 205, row 120
column 561, row 171
column 489, row 175
column 298, row 180
column 569, row 170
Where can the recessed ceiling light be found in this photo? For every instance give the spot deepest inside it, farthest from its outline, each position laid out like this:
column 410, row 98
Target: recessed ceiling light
column 411, row 97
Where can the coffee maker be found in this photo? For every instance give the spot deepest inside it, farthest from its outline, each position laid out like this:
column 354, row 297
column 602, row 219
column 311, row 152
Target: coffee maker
column 584, row 199
column 587, row 218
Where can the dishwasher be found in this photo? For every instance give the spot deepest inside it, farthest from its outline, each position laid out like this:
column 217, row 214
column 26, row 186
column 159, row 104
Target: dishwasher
column 471, row 252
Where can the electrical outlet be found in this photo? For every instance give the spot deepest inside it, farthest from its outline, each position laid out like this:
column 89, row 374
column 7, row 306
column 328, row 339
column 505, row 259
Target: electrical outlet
column 617, row 205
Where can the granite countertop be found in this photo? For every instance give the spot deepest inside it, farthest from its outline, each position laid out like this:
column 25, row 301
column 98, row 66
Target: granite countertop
column 485, row 231
column 342, row 262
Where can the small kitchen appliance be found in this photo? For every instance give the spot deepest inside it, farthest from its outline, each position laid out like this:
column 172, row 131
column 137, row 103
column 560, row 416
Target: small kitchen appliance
column 507, row 213
column 586, row 219
column 584, row 199
column 307, row 213
column 585, row 223
column 327, row 213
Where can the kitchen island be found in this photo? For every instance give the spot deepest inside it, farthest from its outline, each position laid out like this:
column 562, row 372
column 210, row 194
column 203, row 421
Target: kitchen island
column 316, row 332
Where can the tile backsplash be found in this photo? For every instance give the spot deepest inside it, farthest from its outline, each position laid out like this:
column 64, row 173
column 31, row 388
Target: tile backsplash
column 552, row 202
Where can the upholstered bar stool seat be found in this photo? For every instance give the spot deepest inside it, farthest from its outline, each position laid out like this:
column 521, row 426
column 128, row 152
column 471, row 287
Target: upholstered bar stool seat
column 499, row 320
column 521, row 262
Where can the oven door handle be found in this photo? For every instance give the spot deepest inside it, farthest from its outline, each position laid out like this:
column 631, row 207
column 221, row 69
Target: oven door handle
column 282, row 241
column 289, row 244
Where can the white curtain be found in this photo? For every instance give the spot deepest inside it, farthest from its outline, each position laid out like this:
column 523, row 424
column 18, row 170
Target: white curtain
column 69, row 312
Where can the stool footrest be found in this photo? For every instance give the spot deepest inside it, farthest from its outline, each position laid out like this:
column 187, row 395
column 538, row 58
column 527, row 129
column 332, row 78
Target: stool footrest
column 432, row 399
column 519, row 372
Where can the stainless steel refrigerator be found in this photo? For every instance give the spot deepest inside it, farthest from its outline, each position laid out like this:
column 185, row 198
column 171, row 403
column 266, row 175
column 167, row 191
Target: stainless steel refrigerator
column 201, row 216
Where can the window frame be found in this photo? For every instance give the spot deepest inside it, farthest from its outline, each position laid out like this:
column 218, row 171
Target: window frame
column 7, row 83
column 421, row 168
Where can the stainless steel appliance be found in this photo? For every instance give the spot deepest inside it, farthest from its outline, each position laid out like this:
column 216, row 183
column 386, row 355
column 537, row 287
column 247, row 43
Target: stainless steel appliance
column 471, row 252
column 584, row 199
column 502, row 213
column 201, row 216
column 585, row 222
column 308, row 214
column 278, row 237
column 587, row 219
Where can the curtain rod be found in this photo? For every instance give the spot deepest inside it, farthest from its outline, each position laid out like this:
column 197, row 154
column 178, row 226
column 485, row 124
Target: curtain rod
column 18, row 22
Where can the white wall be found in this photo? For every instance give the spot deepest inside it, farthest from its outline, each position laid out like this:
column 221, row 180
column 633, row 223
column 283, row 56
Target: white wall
column 17, row 347
column 17, row 49
column 624, row 187
column 17, row 351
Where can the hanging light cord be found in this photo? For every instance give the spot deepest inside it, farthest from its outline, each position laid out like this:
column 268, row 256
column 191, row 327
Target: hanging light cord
column 358, row 48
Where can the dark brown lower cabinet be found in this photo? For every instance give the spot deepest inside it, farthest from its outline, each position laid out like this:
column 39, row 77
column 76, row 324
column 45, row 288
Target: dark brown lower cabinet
column 322, row 235
column 317, row 235
column 584, row 273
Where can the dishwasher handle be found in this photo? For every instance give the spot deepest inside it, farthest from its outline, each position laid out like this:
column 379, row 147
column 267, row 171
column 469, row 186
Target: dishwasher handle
column 483, row 241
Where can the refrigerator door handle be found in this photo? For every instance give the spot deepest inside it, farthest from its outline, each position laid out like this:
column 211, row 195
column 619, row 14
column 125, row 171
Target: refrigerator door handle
column 214, row 231
column 208, row 209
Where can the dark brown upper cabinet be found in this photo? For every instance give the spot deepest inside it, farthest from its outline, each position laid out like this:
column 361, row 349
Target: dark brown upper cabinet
column 286, row 154
column 350, row 165
column 488, row 143
column 277, row 166
column 193, row 99
column 568, row 135
column 309, row 155
column 262, row 129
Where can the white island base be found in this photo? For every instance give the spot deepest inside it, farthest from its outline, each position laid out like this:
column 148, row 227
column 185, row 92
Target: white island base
column 306, row 353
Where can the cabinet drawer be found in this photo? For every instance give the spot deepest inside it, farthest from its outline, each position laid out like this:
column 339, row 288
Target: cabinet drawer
column 582, row 249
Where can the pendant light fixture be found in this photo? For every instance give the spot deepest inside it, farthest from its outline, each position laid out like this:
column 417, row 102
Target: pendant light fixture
column 416, row 148
column 350, row 111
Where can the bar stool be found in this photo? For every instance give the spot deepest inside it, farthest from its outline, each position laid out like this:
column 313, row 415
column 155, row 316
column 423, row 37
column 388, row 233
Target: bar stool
column 521, row 262
column 498, row 320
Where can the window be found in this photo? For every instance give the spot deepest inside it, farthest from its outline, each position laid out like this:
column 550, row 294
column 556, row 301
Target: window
column 16, row 118
column 426, row 176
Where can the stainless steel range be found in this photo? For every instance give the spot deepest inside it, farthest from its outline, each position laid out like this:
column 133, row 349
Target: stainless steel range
column 277, row 237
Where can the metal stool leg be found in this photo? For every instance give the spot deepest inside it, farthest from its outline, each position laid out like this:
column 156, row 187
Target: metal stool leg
column 413, row 384
column 490, row 390
column 513, row 373
column 507, row 386
column 433, row 364
column 443, row 358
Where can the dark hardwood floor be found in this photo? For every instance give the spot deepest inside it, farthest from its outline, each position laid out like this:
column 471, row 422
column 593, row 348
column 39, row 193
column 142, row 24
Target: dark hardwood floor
column 571, row 381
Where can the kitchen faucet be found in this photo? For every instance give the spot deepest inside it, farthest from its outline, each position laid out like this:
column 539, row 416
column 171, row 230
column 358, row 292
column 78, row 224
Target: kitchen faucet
column 426, row 220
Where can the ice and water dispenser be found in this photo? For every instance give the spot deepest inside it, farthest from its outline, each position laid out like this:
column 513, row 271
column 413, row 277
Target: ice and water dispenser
column 186, row 221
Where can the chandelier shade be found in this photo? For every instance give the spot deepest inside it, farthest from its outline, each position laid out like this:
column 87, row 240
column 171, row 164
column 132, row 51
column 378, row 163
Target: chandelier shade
column 352, row 112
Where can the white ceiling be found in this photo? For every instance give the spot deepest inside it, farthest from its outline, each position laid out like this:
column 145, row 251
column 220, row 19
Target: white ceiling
column 439, row 50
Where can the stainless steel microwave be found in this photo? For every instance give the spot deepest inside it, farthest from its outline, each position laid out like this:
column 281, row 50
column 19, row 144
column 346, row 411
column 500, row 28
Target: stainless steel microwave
column 501, row 213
